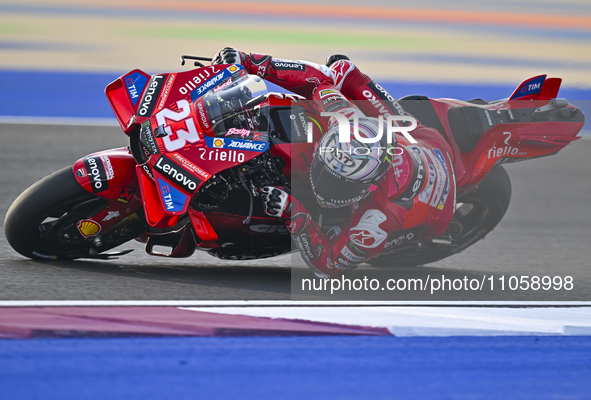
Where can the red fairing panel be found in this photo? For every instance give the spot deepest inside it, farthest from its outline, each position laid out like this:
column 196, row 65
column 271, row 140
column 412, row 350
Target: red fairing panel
column 124, row 96
column 107, row 172
column 190, row 141
column 505, row 141
column 110, row 174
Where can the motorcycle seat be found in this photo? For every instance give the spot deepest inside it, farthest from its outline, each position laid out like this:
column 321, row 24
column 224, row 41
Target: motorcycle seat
column 421, row 108
column 466, row 126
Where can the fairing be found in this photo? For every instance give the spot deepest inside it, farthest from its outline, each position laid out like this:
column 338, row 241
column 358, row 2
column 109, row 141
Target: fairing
column 193, row 125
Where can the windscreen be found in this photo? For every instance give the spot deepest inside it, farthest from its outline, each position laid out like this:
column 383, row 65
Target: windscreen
column 226, row 108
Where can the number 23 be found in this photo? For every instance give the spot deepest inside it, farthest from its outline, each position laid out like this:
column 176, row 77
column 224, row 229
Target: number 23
column 190, row 135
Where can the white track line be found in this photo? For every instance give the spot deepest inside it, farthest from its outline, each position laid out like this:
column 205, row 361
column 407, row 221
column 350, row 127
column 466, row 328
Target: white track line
column 279, row 303
column 434, row 321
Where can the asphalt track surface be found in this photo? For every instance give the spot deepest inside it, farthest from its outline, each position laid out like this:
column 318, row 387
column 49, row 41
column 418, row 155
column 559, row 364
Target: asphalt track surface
column 545, row 232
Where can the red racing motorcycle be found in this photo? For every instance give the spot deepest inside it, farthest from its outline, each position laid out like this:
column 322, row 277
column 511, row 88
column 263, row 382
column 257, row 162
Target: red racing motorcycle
column 203, row 142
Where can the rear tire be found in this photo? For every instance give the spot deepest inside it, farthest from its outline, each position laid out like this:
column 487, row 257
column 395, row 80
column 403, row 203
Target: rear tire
column 480, row 212
column 41, row 223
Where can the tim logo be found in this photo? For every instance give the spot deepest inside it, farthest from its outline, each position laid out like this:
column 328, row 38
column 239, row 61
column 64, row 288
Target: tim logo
column 135, row 84
column 532, row 87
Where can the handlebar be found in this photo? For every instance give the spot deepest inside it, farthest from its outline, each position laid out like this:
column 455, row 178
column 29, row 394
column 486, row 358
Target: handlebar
column 196, row 63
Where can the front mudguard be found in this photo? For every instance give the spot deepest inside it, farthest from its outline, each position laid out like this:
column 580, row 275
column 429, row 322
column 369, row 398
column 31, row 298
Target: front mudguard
column 110, row 175
column 107, row 173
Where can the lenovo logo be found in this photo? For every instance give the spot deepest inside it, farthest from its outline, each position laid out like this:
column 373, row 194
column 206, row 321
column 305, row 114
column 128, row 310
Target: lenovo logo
column 177, row 174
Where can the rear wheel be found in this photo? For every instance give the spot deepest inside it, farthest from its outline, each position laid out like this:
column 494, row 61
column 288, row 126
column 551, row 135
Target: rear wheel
column 477, row 213
column 42, row 221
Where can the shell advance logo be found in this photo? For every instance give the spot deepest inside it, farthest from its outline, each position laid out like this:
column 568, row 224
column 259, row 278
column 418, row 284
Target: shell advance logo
column 236, row 144
column 214, row 80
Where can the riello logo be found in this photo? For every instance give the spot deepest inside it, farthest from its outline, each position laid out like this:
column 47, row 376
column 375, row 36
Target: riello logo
column 393, row 125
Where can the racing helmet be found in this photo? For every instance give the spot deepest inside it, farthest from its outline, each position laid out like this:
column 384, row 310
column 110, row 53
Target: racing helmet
column 343, row 173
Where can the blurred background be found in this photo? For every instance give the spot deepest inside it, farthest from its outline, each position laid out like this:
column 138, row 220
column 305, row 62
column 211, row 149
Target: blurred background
column 56, row 57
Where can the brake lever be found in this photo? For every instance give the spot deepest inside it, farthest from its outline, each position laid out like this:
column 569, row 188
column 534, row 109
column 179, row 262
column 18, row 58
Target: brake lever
column 196, row 63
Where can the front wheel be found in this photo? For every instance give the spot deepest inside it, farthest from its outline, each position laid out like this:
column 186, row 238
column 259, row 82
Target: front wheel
column 42, row 221
column 478, row 212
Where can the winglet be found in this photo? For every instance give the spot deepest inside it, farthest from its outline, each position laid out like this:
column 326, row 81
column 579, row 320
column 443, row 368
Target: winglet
column 529, row 89
column 550, row 89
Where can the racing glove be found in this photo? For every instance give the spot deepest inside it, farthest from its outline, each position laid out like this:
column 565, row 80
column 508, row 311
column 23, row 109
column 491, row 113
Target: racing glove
column 314, row 246
column 229, row 55
column 277, row 201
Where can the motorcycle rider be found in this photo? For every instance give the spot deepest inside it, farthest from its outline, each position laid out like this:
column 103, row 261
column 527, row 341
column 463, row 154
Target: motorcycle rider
column 395, row 193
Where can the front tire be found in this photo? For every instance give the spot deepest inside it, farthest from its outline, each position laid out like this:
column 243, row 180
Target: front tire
column 477, row 214
column 41, row 222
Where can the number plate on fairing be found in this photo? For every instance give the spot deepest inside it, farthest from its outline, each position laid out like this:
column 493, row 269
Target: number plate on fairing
column 178, row 138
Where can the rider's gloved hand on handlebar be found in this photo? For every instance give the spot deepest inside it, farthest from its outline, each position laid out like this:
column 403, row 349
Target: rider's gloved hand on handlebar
column 228, row 55
column 277, row 201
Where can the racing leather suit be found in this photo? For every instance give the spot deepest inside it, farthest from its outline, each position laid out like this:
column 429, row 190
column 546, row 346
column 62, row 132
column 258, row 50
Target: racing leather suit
column 415, row 199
